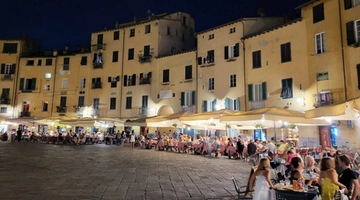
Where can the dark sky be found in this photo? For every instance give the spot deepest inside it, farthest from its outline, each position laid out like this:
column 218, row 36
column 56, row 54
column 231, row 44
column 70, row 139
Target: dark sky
column 59, row 22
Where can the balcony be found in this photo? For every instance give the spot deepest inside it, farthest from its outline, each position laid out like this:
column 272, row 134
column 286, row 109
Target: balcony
column 323, row 98
column 96, row 111
column 96, row 47
column 144, row 58
column 61, row 109
column 5, row 101
column 144, row 81
column 254, row 105
column 7, row 77
column 96, row 85
column 188, row 109
column 97, row 65
column 143, row 111
column 25, row 114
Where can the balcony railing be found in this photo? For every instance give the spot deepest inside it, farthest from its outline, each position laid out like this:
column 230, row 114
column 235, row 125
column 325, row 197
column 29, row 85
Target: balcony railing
column 25, row 114
column 323, row 98
column 96, row 85
column 61, row 109
column 97, row 65
column 144, row 59
column 5, row 101
column 254, row 105
column 96, row 47
column 143, row 111
column 7, row 77
column 144, row 81
column 96, row 111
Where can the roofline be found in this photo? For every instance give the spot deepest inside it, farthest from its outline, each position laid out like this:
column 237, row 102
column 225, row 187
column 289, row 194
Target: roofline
column 11, row 40
column 306, row 4
column 272, row 29
column 231, row 22
column 175, row 54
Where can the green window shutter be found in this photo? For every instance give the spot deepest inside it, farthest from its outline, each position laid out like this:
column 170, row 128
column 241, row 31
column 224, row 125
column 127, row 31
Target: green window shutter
column 214, row 104
column 227, row 103
column 193, row 97
column 21, row 86
column 237, row 50
column 182, row 99
column 13, row 68
column 350, row 33
column 226, row 52
column 33, row 84
column 264, row 92
column 347, row 4
column 205, row 106
column 238, row 103
column 2, row 68
column 250, row 92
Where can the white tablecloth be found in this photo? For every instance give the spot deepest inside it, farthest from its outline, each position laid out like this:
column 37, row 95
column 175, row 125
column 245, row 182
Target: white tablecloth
column 273, row 196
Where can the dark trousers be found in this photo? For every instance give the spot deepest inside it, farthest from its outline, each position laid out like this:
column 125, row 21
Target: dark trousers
column 19, row 137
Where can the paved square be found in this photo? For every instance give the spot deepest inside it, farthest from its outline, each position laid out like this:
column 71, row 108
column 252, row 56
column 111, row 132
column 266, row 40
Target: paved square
column 46, row 171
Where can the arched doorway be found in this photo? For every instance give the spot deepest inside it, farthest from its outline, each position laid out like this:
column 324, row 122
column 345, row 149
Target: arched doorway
column 165, row 110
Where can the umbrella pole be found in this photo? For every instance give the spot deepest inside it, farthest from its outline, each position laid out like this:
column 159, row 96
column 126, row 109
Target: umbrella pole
column 275, row 131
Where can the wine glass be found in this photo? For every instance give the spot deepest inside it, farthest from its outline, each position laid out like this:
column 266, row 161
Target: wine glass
column 287, row 182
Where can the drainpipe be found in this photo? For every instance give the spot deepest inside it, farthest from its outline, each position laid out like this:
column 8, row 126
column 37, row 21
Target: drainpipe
column 53, row 90
column 342, row 51
column 197, row 82
column 14, row 100
column 243, row 54
column 122, row 71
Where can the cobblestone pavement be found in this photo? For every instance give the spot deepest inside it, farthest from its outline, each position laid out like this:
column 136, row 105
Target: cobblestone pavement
column 46, row 171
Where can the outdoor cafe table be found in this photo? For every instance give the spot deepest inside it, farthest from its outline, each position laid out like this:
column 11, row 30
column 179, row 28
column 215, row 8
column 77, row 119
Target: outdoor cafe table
column 288, row 194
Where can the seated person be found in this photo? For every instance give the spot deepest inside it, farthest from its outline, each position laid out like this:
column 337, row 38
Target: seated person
column 310, row 165
column 296, row 172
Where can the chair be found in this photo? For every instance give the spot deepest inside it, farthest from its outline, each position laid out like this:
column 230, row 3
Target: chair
column 286, row 195
column 241, row 191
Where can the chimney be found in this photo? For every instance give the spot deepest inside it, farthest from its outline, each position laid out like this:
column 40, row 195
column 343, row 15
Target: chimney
column 117, row 24
column 55, row 52
column 261, row 12
column 66, row 48
column 135, row 19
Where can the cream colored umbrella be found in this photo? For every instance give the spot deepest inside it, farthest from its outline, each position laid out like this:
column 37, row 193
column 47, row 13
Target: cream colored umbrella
column 343, row 111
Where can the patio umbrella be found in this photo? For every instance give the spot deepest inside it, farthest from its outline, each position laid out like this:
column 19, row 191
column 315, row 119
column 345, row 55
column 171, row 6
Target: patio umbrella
column 172, row 120
column 343, row 111
column 137, row 122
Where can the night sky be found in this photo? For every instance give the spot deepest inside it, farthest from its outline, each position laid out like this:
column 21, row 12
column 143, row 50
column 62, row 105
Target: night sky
column 57, row 23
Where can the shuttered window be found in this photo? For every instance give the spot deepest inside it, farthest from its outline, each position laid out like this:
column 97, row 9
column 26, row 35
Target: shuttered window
column 318, row 13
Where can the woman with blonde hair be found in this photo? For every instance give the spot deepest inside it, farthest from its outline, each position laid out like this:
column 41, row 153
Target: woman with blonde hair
column 330, row 183
column 261, row 179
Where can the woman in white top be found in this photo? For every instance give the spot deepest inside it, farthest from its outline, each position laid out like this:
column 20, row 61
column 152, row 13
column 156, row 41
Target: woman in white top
column 132, row 140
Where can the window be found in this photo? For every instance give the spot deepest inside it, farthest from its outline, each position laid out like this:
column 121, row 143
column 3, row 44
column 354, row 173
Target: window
column 66, row 63
column 116, row 35
column 64, row 83
column 96, row 103
column 188, row 98
column 232, row 30
column 82, row 83
column 81, row 101
column 358, row 75
column 257, row 92
column 147, row 28
column 232, row 104
column 112, row 103
column 184, row 20
column 47, row 75
column 144, row 104
column 115, row 56
column 351, row 3
column 48, row 61
column 188, row 72
column 318, row 13
column 287, row 89
column 168, row 32
column 147, row 50
column 231, row 52
column 131, row 54
column 322, row 76
column 113, row 81
column 233, row 80
column 83, row 60
column 63, row 101
column 128, row 103
column 320, row 43
column 8, row 69
column 209, row 105
column 285, row 52
column 47, row 87
column 210, row 56
column 44, row 106
column 27, row 84
column 130, row 80
column 98, row 58
column 10, row 48
column 353, row 32
column 30, row 63
column 183, row 37
column 166, row 75
column 256, row 58
column 211, row 36
column 100, row 39
column 3, row 110
column 211, row 83
column 96, row 83
column 132, row 32
column 5, row 96
column 39, row 62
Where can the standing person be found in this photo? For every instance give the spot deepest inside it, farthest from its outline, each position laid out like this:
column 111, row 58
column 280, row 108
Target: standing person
column 261, row 178
column 330, row 183
column 349, row 177
column 19, row 132
column 122, row 140
column 118, row 137
column 132, row 140
column 240, row 147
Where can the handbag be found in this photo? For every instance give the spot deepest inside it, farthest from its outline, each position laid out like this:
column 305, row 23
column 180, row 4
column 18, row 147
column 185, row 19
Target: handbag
column 339, row 195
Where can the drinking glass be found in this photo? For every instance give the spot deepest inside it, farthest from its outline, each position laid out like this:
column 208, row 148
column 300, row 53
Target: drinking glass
column 306, row 188
column 287, row 182
column 282, row 183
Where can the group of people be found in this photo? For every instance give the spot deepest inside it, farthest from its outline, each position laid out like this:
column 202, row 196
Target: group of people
column 325, row 176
